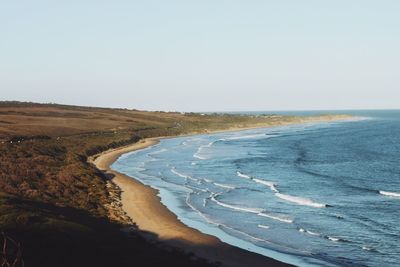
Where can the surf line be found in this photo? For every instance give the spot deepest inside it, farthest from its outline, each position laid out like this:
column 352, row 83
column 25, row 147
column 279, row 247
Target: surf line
column 294, row 199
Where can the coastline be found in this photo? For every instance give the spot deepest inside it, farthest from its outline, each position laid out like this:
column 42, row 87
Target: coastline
column 143, row 206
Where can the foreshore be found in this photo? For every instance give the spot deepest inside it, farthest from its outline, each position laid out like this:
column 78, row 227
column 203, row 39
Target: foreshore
column 143, row 205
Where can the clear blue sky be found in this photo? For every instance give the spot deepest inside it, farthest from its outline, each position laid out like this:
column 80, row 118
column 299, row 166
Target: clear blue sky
column 202, row 55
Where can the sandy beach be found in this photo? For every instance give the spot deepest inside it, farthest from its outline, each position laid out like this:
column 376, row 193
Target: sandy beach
column 142, row 204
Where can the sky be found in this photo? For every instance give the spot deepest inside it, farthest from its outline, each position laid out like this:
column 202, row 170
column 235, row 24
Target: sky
column 204, row 55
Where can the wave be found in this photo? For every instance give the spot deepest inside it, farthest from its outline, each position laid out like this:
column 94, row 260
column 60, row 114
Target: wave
column 271, row 185
column 263, row 226
column 200, row 149
column 301, row 201
column 198, row 157
column 234, row 207
column 242, row 175
column 251, row 136
column 331, row 238
column 220, row 225
column 294, row 199
column 242, row 233
column 174, row 171
column 309, row 232
column 334, row 239
column 225, row 186
column 390, row 194
column 158, row 152
column 285, row 220
column 368, row 248
column 194, row 188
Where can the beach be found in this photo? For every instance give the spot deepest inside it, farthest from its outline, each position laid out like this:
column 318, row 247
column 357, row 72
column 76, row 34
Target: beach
column 142, row 204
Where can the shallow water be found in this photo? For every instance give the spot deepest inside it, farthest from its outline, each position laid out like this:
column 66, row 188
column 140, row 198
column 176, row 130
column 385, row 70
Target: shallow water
column 326, row 193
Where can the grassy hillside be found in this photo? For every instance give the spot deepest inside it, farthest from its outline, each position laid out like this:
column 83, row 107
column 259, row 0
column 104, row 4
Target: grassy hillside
column 58, row 210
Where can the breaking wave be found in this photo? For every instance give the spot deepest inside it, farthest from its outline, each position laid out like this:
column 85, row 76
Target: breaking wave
column 271, row 185
column 309, row 232
column 200, row 149
column 293, row 199
column 274, row 217
column 390, row 194
column 231, row 187
column 174, row 171
column 301, row 201
column 251, row 136
column 234, row 207
column 263, row 226
column 242, row 175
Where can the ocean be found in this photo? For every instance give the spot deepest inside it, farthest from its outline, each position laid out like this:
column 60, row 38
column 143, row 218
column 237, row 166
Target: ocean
column 317, row 194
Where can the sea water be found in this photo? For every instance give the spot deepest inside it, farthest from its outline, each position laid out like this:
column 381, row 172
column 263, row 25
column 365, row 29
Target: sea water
column 324, row 194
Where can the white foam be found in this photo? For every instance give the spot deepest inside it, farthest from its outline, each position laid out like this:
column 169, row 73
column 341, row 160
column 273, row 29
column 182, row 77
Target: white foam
column 198, row 157
column 263, row 226
column 174, row 171
column 158, row 151
column 243, row 233
column 285, row 220
column 242, row 175
column 200, row 149
column 300, row 201
column 225, row 186
column 308, row 232
column 369, row 248
column 390, row 194
column 194, row 188
column 251, row 136
column 334, row 239
column 234, row 207
column 271, row 185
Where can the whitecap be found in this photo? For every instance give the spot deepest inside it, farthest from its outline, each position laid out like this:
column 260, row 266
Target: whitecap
column 225, row 186
column 274, row 217
column 196, row 188
column 174, row 171
column 251, row 136
column 334, row 239
column 368, row 248
column 234, row 207
column 301, row 201
column 200, row 149
column 271, row 185
column 263, row 226
column 242, row 175
column 390, row 194
column 198, row 157
column 158, row 151
column 308, row 232
column 243, row 233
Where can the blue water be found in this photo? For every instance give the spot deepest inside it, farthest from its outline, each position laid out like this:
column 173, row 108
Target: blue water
column 312, row 194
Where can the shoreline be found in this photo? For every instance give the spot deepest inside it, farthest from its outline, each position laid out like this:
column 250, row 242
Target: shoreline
column 143, row 205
